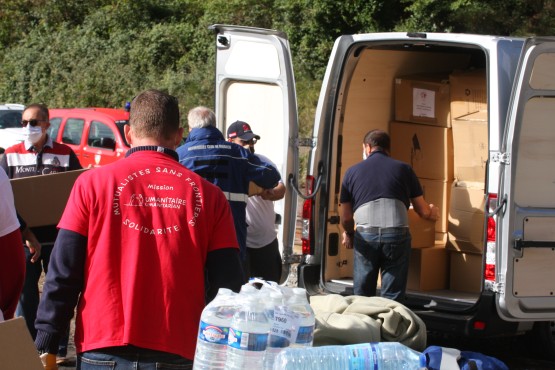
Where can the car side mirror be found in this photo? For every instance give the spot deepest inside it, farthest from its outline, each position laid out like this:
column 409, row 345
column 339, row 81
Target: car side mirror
column 108, row 143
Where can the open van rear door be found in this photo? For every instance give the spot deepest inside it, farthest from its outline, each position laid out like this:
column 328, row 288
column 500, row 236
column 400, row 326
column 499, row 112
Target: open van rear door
column 255, row 84
column 526, row 222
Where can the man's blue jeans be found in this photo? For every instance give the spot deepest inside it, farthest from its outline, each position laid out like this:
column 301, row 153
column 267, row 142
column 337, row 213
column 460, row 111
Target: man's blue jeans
column 131, row 358
column 387, row 249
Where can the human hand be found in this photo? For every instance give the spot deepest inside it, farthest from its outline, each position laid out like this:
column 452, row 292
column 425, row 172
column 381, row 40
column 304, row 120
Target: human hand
column 49, row 361
column 267, row 194
column 434, row 213
column 32, row 243
column 347, row 240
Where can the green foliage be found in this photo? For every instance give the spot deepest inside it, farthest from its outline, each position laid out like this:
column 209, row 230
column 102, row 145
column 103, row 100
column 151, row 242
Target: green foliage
column 495, row 17
column 102, row 52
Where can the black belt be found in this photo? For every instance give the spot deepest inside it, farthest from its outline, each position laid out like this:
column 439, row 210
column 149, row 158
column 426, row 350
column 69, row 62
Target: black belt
column 382, row 230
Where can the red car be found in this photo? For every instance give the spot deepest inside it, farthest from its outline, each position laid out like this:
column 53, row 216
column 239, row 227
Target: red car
column 95, row 134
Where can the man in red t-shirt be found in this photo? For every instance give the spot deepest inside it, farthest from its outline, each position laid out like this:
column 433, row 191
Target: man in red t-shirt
column 137, row 239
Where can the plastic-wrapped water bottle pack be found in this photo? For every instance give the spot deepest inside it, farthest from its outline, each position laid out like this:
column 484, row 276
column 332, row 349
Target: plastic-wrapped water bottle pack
column 247, row 330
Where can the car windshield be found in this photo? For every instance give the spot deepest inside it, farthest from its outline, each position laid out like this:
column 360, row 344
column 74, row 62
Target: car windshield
column 120, row 125
column 10, row 118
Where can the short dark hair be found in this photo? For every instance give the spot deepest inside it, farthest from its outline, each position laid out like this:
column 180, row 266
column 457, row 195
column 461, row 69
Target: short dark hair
column 42, row 108
column 154, row 114
column 378, row 139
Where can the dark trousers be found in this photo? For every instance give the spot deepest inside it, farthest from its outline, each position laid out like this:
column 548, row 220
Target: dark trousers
column 265, row 262
column 29, row 298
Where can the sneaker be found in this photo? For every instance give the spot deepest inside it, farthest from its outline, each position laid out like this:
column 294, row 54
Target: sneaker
column 62, row 360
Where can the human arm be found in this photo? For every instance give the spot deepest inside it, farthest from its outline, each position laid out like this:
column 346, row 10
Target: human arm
column 261, row 172
column 61, row 289
column 425, row 210
column 223, row 270
column 30, row 239
column 275, row 193
column 348, row 224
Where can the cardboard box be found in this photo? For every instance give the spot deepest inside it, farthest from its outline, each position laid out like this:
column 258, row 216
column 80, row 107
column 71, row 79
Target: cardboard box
column 41, row 200
column 438, row 193
column 423, row 99
column 441, row 238
column 465, row 272
column 469, row 92
column 422, row 231
column 17, row 350
column 428, row 269
column 466, row 219
column 470, row 146
column 428, row 149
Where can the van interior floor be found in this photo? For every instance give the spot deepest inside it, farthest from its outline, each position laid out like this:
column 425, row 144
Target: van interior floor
column 345, row 287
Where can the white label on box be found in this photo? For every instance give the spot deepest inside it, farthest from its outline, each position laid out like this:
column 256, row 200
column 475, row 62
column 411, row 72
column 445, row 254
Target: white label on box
column 423, row 103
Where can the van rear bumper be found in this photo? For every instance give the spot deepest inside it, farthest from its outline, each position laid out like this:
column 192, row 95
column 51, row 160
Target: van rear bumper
column 480, row 321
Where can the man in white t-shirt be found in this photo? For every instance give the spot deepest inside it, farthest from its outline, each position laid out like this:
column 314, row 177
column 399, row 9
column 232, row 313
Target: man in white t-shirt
column 263, row 257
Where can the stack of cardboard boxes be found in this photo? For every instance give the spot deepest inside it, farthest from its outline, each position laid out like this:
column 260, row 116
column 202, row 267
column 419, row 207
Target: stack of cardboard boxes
column 440, row 129
column 469, row 120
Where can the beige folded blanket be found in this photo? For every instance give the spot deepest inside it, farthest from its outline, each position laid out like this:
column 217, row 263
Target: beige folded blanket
column 358, row 319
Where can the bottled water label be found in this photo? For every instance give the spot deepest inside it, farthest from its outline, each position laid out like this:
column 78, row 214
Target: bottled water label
column 363, row 357
column 213, row 334
column 247, row 341
column 305, row 335
column 283, row 324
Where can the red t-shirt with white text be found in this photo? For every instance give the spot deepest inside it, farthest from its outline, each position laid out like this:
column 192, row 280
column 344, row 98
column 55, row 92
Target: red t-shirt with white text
column 150, row 223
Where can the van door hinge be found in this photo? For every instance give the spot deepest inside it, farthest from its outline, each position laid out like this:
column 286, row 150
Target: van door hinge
column 305, row 142
column 503, row 158
column 498, row 288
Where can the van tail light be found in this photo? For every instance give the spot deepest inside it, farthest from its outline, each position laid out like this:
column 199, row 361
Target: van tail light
column 307, row 217
column 489, row 271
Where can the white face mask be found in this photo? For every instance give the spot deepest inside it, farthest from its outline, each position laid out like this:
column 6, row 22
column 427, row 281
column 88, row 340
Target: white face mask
column 32, row 134
column 364, row 155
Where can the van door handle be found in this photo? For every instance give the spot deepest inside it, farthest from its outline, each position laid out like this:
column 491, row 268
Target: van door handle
column 519, row 244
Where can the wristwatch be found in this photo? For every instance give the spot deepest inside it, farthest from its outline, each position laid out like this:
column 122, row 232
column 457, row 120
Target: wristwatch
column 350, row 233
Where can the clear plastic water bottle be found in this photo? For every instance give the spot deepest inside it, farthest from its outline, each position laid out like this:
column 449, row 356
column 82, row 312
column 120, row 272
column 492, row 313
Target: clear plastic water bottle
column 276, row 340
column 248, row 335
column 376, row 356
column 213, row 332
column 304, row 318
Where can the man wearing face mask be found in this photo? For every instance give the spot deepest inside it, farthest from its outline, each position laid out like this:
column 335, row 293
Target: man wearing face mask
column 36, row 155
column 263, row 259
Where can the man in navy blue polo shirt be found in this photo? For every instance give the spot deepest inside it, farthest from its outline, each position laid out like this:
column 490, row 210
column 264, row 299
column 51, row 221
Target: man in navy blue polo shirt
column 376, row 194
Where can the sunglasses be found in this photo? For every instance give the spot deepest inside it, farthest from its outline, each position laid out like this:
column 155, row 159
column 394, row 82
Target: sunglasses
column 249, row 142
column 32, row 122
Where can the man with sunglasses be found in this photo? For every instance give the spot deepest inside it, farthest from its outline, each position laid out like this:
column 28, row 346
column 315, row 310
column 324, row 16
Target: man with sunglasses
column 37, row 155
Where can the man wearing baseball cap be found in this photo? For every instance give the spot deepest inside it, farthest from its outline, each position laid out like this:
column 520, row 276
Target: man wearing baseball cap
column 241, row 130
column 263, row 258
column 227, row 165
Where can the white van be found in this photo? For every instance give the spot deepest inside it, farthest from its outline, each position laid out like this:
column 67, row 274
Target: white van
column 474, row 115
